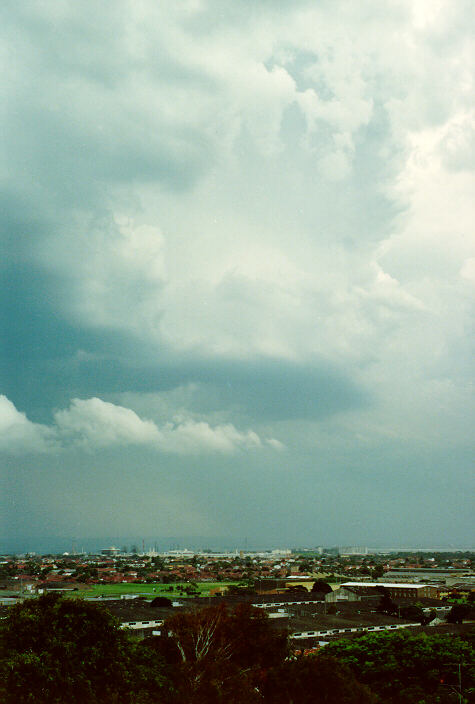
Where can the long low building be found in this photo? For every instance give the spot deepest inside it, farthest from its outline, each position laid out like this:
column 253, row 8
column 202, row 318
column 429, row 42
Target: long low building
column 397, row 590
column 331, row 633
column 432, row 574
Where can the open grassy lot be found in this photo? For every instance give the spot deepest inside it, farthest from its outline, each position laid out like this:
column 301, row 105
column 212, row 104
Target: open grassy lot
column 169, row 590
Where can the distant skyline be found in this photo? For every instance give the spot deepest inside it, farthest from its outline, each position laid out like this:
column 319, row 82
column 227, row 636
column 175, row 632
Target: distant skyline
column 237, row 271
column 42, row 545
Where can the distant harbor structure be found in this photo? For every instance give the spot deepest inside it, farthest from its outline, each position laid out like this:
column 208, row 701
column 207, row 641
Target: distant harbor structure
column 110, row 552
column 353, row 550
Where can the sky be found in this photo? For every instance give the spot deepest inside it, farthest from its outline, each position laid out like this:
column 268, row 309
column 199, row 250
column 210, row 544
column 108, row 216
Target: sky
column 236, row 271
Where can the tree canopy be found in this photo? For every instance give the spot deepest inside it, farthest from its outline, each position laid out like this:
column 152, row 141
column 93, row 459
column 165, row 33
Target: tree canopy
column 314, row 680
column 55, row 650
column 407, row 668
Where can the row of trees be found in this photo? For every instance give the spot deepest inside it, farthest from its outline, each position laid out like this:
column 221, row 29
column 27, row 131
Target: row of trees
column 55, row 650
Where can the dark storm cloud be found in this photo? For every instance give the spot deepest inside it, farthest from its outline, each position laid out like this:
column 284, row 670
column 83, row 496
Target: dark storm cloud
column 271, row 389
column 40, row 367
column 45, row 360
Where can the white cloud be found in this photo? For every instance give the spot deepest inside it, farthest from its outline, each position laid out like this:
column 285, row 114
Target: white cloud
column 188, row 436
column 20, row 435
column 468, row 270
column 96, row 423
column 457, row 144
column 92, row 423
column 276, row 444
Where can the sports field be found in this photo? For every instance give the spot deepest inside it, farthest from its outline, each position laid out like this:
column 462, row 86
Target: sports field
column 169, row 590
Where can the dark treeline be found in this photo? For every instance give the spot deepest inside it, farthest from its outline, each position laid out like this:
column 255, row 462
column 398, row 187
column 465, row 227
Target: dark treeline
column 57, row 651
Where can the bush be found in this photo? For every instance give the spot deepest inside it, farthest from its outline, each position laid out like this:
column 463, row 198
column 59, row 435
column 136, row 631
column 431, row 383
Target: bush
column 161, row 601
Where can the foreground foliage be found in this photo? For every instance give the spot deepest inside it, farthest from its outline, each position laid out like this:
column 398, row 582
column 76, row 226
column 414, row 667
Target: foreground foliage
column 406, row 668
column 57, row 651
column 314, row 680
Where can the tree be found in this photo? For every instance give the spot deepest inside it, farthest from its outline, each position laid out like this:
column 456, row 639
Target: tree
column 216, row 633
column 10, row 569
column 85, row 573
column 218, row 654
column 161, row 601
column 32, row 567
column 414, row 613
column 57, row 651
column 322, row 587
column 459, row 612
column 157, row 562
column 406, row 668
column 305, row 566
column 314, row 680
column 386, row 605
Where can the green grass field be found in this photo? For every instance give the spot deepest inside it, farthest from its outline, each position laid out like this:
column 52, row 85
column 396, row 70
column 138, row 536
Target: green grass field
column 169, row 590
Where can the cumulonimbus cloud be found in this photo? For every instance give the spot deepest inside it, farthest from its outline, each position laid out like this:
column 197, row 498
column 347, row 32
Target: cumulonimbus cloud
column 93, row 423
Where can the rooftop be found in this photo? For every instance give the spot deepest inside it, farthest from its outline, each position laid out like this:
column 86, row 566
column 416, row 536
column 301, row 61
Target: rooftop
column 394, row 585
